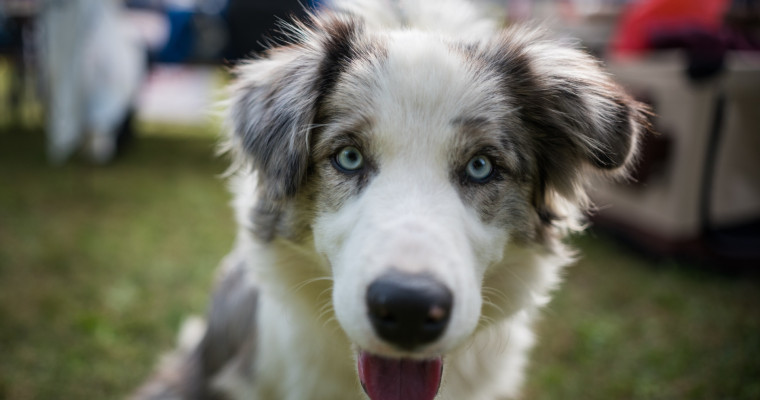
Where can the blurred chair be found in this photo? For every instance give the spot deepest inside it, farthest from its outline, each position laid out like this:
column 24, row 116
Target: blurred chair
column 702, row 196
column 698, row 183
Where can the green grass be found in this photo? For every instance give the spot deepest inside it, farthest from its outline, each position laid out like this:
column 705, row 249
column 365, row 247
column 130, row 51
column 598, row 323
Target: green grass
column 624, row 327
column 99, row 265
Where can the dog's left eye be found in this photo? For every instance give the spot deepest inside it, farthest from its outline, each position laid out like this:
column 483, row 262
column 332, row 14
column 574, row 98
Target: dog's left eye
column 349, row 159
column 479, row 168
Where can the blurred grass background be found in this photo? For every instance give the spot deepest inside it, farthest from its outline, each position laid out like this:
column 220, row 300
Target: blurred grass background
column 99, row 266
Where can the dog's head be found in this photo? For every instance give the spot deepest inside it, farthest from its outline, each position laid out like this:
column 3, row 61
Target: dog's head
column 421, row 169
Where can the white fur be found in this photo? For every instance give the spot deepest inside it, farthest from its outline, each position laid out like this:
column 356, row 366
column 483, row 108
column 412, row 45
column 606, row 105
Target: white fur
column 412, row 218
column 312, row 317
column 457, row 17
column 303, row 352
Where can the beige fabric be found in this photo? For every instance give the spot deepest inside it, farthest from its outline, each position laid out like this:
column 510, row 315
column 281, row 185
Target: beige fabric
column 668, row 205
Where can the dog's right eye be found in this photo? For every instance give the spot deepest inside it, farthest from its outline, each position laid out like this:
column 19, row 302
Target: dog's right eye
column 348, row 159
column 479, row 169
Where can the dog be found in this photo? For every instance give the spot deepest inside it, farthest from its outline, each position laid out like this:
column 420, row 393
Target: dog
column 404, row 175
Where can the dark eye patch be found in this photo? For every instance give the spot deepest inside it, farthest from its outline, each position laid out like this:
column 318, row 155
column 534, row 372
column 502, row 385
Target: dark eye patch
column 503, row 198
column 335, row 184
column 499, row 166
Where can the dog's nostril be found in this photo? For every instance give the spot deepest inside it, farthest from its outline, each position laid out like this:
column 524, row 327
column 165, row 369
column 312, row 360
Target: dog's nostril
column 437, row 313
column 408, row 310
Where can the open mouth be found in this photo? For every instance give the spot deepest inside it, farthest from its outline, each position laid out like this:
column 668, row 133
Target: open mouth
column 399, row 378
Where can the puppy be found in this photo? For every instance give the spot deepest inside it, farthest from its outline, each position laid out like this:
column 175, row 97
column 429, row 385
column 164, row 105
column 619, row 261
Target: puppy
column 404, row 175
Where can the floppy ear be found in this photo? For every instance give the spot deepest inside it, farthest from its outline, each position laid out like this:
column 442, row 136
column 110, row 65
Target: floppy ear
column 271, row 112
column 276, row 99
column 576, row 115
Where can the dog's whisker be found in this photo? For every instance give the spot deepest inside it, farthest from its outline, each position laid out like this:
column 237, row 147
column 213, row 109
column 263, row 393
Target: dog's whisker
column 488, row 303
column 333, row 323
column 326, row 310
column 495, row 293
column 485, row 321
column 327, row 291
column 327, row 306
column 306, row 282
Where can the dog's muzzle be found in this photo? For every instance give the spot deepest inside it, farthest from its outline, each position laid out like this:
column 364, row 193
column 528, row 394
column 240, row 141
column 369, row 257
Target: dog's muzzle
column 408, row 311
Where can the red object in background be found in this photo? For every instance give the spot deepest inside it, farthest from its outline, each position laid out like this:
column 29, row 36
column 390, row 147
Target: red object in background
column 644, row 19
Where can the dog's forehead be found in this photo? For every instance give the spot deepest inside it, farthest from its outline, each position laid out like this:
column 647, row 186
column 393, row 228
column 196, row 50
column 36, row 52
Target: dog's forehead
column 418, row 93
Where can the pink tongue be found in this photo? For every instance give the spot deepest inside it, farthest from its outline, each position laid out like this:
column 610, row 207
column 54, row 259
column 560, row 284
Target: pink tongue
column 399, row 379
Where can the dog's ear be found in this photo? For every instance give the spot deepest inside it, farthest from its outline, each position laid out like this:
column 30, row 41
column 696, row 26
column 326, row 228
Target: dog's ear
column 277, row 96
column 576, row 115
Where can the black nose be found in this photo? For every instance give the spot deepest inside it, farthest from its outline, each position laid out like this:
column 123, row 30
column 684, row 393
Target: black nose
column 408, row 310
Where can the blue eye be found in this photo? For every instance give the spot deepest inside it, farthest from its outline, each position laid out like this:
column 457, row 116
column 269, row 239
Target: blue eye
column 349, row 159
column 479, row 168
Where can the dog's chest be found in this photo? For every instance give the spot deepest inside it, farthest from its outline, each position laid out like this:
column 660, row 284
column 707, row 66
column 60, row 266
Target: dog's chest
column 302, row 358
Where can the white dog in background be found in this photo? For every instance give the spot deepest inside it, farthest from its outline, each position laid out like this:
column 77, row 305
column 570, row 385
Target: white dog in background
column 92, row 68
column 405, row 172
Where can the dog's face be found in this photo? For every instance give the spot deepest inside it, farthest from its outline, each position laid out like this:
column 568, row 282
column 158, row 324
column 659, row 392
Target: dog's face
column 417, row 166
column 414, row 177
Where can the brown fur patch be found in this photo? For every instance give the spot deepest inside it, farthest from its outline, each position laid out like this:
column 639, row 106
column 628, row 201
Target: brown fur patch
column 333, row 187
column 502, row 199
column 273, row 116
column 572, row 120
